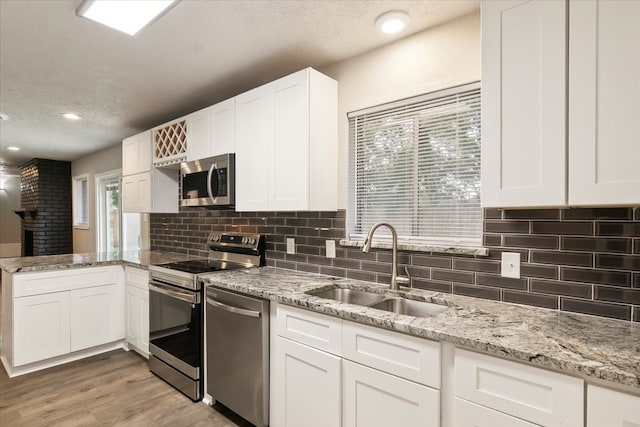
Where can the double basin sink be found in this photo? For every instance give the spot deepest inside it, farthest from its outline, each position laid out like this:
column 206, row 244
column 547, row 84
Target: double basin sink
column 396, row 305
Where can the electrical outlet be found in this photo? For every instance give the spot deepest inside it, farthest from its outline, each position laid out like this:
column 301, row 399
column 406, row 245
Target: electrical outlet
column 331, row 248
column 510, row 266
column 291, row 245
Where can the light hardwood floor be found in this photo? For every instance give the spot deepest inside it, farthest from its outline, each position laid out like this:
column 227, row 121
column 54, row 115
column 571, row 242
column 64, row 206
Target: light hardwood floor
column 114, row 388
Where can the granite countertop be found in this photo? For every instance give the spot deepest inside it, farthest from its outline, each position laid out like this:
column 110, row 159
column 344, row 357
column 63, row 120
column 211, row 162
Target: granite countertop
column 572, row 343
column 141, row 258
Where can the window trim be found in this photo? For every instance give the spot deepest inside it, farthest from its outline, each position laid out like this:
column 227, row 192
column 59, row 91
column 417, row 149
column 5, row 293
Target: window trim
column 75, row 200
column 100, row 179
column 405, row 243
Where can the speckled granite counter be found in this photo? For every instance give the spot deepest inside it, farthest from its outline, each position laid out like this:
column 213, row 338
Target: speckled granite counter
column 142, row 258
column 572, row 343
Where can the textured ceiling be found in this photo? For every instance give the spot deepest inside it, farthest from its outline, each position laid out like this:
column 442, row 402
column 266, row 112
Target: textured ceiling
column 201, row 52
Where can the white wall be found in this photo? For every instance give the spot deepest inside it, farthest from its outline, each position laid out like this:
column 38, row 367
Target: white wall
column 10, row 222
column 438, row 58
column 84, row 240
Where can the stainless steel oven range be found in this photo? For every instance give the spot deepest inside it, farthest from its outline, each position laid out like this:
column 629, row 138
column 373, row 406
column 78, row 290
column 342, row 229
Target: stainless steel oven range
column 176, row 310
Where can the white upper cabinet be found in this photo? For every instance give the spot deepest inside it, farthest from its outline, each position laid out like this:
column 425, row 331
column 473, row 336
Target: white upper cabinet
column 136, row 154
column 539, row 147
column 523, row 103
column 604, row 96
column 212, row 131
column 286, row 144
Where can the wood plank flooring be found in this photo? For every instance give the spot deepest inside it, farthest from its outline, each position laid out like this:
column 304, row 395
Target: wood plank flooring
column 114, row 388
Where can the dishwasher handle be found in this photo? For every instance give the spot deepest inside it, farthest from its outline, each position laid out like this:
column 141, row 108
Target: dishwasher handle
column 236, row 310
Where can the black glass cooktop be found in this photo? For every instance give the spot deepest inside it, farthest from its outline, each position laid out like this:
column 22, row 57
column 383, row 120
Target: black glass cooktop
column 200, row 266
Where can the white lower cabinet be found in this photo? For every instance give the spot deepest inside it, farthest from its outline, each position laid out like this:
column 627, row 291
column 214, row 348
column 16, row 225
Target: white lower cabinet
column 307, row 386
column 41, row 328
column 137, row 310
column 469, row 414
column 609, row 408
column 56, row 313
column 372, row 398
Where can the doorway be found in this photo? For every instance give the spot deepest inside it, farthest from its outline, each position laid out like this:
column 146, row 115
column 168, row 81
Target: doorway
column 108, row 201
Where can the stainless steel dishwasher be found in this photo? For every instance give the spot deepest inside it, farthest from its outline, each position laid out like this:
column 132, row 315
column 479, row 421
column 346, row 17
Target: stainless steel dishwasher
column 238, row 353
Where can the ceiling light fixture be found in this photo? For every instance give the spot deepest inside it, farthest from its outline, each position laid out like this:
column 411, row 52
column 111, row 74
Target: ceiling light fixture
column 12, row 148
column 3, row 117
column 70, row 116
column 128, row 16
column 392, row 22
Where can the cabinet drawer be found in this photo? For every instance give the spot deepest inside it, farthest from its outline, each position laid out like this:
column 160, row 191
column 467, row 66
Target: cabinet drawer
column 375, row 399
column 313, row 329
column 137, row 277
column 533, row 394
column 413, row 358
column 25, row 284
column 469, row 414
column 609, row 408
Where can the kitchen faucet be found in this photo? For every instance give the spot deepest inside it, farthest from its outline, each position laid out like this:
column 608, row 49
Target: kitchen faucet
column 396, row 280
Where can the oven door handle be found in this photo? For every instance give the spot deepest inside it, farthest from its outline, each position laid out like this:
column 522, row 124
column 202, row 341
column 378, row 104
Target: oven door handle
column 232, row 309
column 190, row 297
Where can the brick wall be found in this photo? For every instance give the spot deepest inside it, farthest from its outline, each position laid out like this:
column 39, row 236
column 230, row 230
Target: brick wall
column 579, row 260
column 45, row 187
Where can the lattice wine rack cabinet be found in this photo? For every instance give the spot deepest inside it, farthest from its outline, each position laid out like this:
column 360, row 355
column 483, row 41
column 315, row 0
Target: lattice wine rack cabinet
column 170, row 144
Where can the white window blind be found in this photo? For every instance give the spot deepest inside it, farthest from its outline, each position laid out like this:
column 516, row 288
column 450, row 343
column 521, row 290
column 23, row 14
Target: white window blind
column 416, row 164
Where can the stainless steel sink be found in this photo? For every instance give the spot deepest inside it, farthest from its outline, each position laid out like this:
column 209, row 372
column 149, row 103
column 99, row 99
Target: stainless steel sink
column 350, row 296
column 410, row 307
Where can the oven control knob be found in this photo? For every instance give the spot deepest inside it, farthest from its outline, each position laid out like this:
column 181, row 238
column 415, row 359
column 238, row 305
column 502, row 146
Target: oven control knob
column 252, row 241
column 244, row 240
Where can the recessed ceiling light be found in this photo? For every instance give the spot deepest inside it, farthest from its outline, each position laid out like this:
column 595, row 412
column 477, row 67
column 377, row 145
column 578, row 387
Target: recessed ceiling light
column 70, row 116
column 12, row 148
column 128, row 16
column 3, row 117
column 392, row 22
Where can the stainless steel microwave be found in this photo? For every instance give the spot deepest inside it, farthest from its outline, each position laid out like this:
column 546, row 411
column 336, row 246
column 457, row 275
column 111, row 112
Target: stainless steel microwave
column 209, row 182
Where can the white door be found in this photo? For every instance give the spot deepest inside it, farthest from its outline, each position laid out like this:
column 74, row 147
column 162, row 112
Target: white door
column 96, row 316
column 133, row 322
column 523, row 103
column 306, row 386
column 289, row 188
column 608, row 408
column 199, row 138
column 223, row 127
column 374, row 398
column 254, row 148
column 41, row 328
column 604, row 66
column 108, row 212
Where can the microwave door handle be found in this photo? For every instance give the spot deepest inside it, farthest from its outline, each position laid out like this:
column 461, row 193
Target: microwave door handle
column 212, row 170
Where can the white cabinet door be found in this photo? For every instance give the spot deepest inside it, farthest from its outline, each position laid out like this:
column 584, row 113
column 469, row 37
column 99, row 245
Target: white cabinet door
column 289, row 185
column 223, row 127
column 96, row 315
column 373, row 398
column 469, row 414
column 608, row 408
column 524, row 103
column 133, row 321
column 136, row 153
column 199, row 141
column 41, row 327
column 306, row 387
column 144, row 322
column 136, row 193
column 254, row 148
column 604, row 66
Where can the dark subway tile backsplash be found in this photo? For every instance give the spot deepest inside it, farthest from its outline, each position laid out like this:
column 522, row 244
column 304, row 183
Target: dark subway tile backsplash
column 583, row 260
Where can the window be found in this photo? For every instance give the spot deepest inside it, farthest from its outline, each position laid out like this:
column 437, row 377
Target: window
column 416, row 164
column 81, row 201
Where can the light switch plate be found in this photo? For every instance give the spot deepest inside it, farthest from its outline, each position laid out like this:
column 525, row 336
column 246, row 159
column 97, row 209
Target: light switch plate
column 331, row 248
column 291, row 245
column 510, row 265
